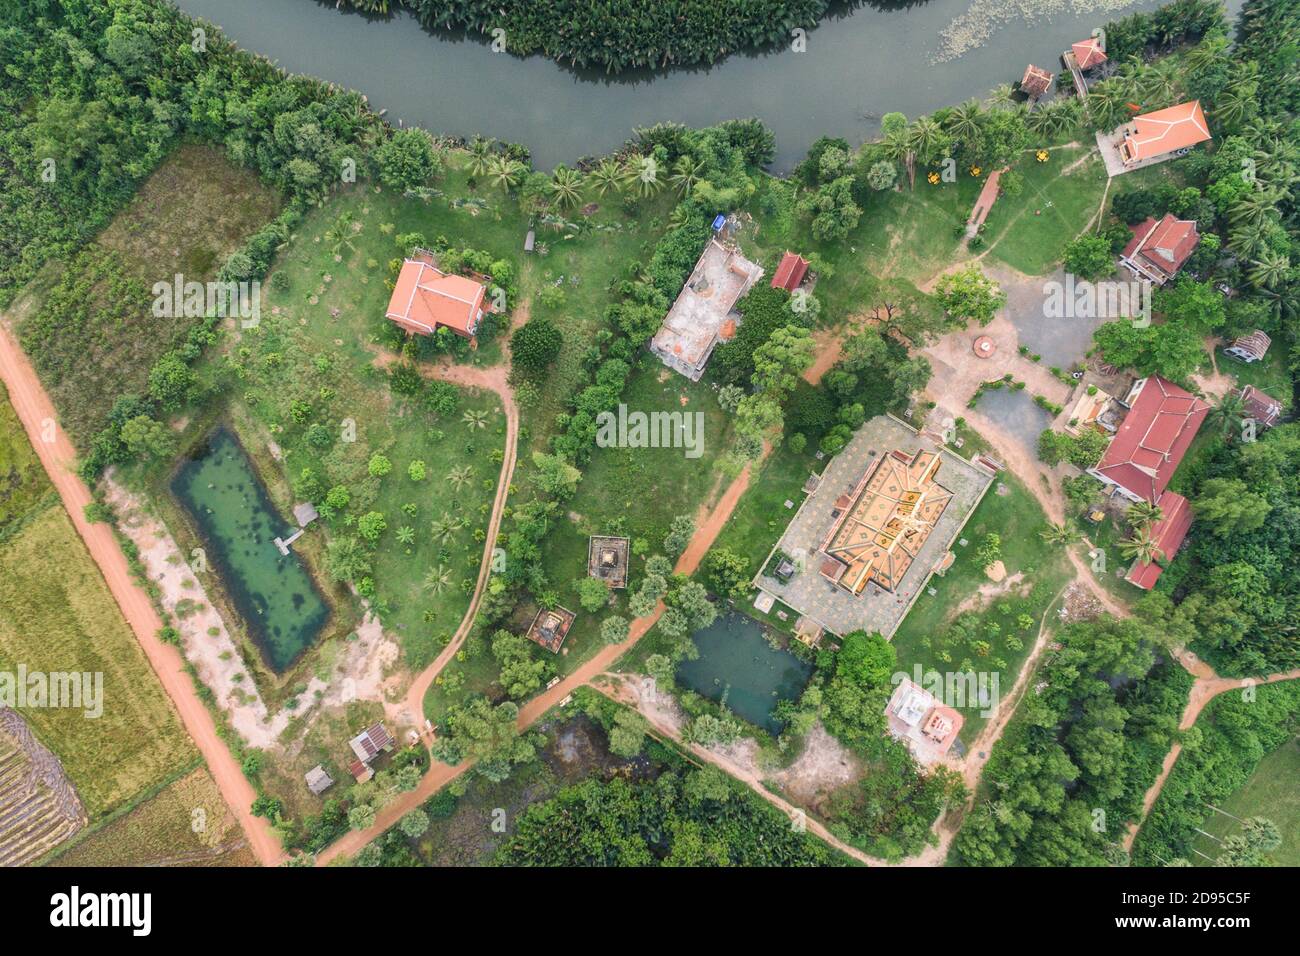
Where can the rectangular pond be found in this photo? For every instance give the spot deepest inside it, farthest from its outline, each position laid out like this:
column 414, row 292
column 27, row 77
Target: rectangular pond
column 238, row 524
column 736, row 663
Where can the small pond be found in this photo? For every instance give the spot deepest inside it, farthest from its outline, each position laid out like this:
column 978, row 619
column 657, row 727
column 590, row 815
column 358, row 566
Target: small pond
column 736, row 663
column 1015, row 410
column 279, row 602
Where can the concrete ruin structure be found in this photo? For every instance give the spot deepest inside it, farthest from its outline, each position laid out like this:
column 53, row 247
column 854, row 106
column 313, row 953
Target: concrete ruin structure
column 702, row 315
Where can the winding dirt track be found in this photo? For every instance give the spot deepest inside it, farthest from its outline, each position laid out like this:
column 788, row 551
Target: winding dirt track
column 36, row 412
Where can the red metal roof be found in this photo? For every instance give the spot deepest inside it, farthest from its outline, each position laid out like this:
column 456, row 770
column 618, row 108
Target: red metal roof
column 790, row 272
column 1088, row 53
column 1154, row 437
column 1168, row 534
column 1261, row 406
column 1165, row 245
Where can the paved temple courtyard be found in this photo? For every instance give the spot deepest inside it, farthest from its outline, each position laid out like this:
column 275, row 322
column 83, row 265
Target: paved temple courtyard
column 835, row 608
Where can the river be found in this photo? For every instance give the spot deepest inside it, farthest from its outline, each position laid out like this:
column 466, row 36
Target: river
column 857, row 66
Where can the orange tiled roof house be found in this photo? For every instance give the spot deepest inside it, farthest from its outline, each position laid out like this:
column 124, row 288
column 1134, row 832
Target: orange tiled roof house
column 1152, row 135
column 426, row 299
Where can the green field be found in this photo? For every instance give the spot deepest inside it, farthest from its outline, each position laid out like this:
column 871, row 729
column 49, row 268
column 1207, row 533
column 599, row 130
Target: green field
column 1029, row 231
column 1271, row 792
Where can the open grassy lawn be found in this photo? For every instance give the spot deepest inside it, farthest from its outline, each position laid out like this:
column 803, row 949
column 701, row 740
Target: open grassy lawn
column 56, row 615
column 1004, row 615
column 94, row 336
column 761, row 515
column 187, row 823
column 1029, row 231
column 1270, row 792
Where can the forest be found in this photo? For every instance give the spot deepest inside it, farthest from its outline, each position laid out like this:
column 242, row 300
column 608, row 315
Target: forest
column 617, row 35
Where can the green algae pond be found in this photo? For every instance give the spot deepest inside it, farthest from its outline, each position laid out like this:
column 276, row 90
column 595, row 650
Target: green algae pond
column 274, row 594
column 737, row 666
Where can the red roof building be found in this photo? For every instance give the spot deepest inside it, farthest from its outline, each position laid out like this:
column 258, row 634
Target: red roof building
column 425, row 299
column 790, row 272
column 1168, row 534
column 1036, row 81
column 1152, row 440
column 1157, row 134
column 1261, row 407
column 1088, row 53
column 1159, row 249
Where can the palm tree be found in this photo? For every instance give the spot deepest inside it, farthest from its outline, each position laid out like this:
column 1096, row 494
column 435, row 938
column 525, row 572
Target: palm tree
column 445, row 528
column 926, row 136
column 566, row 187
column 506, row 172
column 644, row 175
column 437, row 579
column 1140, row 547
column 1248, row 241
column 606, row 176
column 1143, row 514
column 1054, row 118
column 1003, row 96
column 458, row 477
column 480, row 155
column 1211, row 53
column 964, row 121
column 1159, row 81
column 1255, row 208
column 406, row 534
column 475, row 418
column 1061, row 534
column 686, row 173
column 1270, row 269
column 898, row 147
column 1229, row 413
column 339, row 234
column 1108, row 102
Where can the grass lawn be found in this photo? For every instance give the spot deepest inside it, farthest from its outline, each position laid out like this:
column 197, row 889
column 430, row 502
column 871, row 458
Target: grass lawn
column 1029, row 231
column 1036, row 571
column 1269, row 375
column 95, row 336
column 761, row 516
column 1270, row 792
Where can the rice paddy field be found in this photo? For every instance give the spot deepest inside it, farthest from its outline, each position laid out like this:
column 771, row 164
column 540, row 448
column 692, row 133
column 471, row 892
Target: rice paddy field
column 56, row 614
column 185, row 824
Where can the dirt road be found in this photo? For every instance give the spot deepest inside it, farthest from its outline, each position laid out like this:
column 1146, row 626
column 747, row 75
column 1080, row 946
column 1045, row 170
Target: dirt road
column 59, row 458
column 440, row 775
